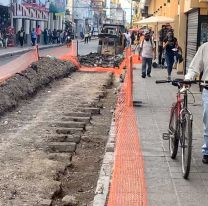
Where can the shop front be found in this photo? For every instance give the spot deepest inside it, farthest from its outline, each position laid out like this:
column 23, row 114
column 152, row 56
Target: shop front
column 197, row 33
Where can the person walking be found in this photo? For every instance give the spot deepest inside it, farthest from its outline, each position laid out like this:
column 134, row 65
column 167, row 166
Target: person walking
column 38, row 33
column 147, row 51
column 5, row 38
column 33, row 37
column 86, row 37
column 45, row 36
column 21, row 35
column 198, row 65
column 170, row 44
column 127, row 39
column 1, row 40
column 162, row 36
column 55, row 40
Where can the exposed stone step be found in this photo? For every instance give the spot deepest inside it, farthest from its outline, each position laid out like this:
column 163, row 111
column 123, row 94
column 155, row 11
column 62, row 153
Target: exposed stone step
column 71, row 124
column 77, row 119
column 92, row 110
column 78, row 114
column 64, row 138
column 61, row 157
column 62, row 130
column 62, row 147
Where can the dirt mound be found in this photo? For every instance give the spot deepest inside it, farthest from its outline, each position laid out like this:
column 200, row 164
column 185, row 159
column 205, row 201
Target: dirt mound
column 26, row 84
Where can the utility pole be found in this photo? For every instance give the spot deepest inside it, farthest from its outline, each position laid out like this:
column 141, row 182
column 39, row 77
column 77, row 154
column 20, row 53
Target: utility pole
column 131, row 14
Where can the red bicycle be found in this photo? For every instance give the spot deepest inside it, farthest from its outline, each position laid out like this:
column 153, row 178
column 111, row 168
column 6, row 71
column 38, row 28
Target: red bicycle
column 180, row 124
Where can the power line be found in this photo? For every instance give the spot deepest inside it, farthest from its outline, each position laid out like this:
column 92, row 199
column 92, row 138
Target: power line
column 86, row 7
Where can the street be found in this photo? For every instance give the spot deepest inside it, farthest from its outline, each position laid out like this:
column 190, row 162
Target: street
column 83, row 50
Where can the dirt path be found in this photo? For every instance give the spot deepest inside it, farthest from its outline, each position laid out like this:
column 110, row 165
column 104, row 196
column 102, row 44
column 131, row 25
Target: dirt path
column 39, row 138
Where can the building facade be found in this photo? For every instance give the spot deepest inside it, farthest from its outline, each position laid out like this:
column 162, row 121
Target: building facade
column 190, row 23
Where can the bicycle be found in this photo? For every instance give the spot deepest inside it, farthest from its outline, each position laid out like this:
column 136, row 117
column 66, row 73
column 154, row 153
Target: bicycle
column 180, row 125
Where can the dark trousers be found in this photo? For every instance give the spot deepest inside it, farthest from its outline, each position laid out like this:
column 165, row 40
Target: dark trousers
column 86, row 39
column 161, row 60
column 33, row 41
column 169, row 58
column 146, row 65
column 21, row 39
column 38, row 39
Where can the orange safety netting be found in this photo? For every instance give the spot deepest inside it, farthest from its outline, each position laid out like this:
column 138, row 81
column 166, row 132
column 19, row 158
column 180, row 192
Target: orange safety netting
column 128, row 186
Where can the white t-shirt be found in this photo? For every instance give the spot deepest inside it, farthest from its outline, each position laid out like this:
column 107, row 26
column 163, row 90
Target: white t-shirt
column 199, row 64
column 147, row 48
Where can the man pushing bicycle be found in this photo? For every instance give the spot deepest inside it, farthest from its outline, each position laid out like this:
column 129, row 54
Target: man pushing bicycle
column 200, row 64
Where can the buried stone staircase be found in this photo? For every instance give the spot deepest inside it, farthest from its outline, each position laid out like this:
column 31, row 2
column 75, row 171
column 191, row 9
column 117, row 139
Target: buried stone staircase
column 67, row 133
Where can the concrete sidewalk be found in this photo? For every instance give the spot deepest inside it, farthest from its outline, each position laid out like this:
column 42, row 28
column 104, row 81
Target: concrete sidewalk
column 11, row 51
column 165, row 185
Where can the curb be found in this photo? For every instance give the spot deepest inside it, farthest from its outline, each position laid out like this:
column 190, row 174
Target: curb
column 28, row 49
column 103, row 183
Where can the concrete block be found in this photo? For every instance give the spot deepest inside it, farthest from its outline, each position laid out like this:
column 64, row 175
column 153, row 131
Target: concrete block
column 62, row 147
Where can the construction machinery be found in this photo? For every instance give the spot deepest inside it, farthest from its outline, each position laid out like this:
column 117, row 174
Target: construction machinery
column 111, row 39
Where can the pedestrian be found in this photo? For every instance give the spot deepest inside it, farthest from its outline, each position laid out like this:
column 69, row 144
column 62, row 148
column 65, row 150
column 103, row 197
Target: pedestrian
column 170, row 44
column 54, row 36
column 198, row 65
column 90, row 36
column 128, row 39
column 86, row 37
column 147, row 51
column 45, row 36
column 50, row 37
column 38, row 33
column 162, row 36
column 62, row 37
column 5, row 36
column 1, row 39
column 132, row 38
column 33, row 37
column 21, row 35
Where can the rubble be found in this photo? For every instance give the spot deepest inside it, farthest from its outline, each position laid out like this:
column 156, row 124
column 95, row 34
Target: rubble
column 98, row 60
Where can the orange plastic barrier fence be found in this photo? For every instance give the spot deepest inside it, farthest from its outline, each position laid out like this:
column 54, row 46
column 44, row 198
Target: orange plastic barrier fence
column 18, row 65
column 128, row 187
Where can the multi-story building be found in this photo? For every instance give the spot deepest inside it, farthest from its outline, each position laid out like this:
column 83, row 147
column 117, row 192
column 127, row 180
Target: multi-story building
column 99, row 13
column 117, row 14
column 81, row 14
column 31, row 13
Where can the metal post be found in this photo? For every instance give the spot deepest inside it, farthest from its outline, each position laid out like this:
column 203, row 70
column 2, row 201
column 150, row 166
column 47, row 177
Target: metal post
column 131, row 15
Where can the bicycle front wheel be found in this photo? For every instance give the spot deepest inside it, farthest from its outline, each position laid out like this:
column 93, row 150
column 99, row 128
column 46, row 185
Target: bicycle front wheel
column 174, row 131
column 186, row 143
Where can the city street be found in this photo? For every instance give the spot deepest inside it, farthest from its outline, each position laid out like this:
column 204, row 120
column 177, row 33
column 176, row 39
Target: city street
column 83, row 50
column 82, row 120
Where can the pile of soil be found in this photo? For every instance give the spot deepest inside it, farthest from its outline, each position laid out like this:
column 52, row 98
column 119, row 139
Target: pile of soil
column 97, row 60
column 26, row 84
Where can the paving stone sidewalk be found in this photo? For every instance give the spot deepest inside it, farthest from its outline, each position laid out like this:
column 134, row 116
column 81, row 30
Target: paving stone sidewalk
column 165, row 184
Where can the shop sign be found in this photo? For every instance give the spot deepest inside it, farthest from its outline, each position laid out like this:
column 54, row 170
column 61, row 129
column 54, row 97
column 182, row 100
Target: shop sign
column 57, row 6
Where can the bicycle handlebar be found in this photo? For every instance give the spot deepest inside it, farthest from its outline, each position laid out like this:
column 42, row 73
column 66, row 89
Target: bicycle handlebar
column 180, row 81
